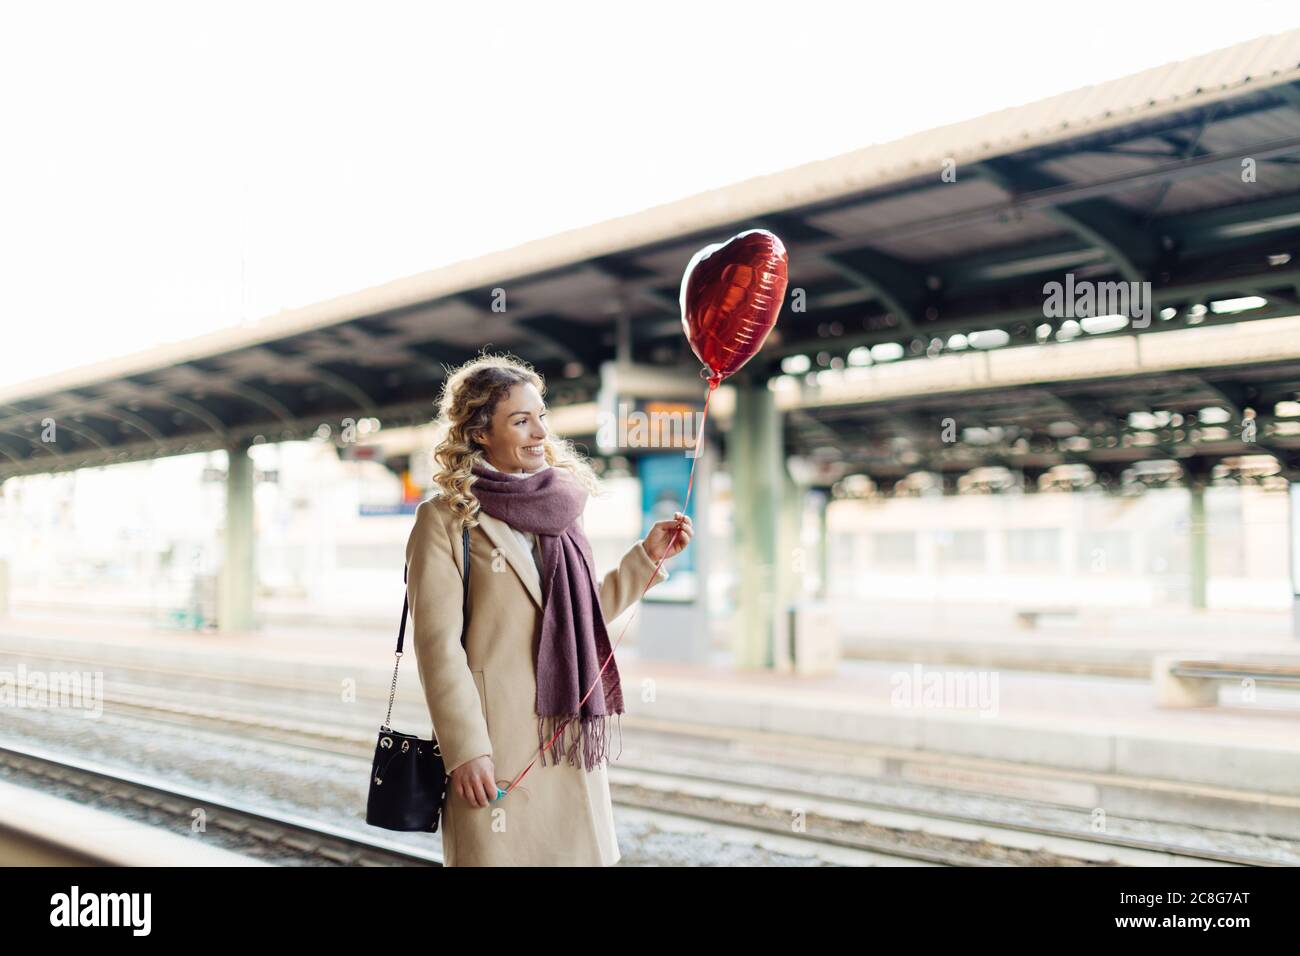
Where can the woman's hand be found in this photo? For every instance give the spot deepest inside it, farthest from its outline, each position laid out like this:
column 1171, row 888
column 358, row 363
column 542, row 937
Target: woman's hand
column 475, row 781
column 656, row 542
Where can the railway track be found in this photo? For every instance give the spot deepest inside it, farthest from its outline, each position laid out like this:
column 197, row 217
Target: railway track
column 718, row 796
column 273, row 837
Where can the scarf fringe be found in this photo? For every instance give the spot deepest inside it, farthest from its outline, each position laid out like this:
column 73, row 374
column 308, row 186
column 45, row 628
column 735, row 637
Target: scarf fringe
column 592, row 734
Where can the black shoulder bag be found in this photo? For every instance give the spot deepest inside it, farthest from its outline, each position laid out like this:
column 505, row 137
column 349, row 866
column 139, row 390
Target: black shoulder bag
column 408, row 779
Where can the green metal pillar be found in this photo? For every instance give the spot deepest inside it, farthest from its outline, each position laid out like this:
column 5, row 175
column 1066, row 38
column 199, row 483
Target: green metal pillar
column 1293, row 543
column 823, row 546
column 755, row 450
column 235, row 611
column 793, row 564
column 1199, row 553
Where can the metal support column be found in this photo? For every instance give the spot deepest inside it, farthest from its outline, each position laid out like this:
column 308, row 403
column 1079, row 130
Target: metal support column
column 755, row 449
column 1198, row 553
column 1293, row 489
column 237, row 573
column 823, row 545
column 792, row 564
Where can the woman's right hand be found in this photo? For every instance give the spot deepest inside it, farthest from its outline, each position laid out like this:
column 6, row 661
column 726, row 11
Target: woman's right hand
column 475, row 781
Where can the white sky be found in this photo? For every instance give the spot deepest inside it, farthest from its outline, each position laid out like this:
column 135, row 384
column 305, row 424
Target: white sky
column 170, row 169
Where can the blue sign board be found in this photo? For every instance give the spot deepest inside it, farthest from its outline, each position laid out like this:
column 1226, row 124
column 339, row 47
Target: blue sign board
column 663, row 491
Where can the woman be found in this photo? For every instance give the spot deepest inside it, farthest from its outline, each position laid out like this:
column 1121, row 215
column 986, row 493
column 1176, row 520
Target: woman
column 536, row 609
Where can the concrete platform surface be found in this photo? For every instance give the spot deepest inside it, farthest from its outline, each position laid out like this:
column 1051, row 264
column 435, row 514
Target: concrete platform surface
column 1079, row 722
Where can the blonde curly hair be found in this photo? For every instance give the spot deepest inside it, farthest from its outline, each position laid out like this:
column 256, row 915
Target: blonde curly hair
column 469, row 396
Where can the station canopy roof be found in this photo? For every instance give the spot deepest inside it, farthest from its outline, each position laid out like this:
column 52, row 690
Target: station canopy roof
column 935, row 246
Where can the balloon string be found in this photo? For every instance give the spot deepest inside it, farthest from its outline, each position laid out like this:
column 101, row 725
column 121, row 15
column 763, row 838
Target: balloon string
column 714, row 381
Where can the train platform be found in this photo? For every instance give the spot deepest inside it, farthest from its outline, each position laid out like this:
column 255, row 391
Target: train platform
column 1081, row 722
column 1117, row 642
column 41, row 830
column 1120, row 642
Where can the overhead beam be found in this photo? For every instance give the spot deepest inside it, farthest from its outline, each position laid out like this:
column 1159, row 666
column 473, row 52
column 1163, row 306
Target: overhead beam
column 1290, row 92
column 1131, row 250
column 1008, row 319
column 408, row 413
column 1238, row 398
column 890, row 281
column 578, row 340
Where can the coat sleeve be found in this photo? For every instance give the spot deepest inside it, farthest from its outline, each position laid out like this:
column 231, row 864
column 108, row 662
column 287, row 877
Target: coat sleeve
column 434, row 589
column 623, row 585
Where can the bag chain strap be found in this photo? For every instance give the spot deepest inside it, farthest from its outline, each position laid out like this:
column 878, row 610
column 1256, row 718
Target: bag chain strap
column 401, row 630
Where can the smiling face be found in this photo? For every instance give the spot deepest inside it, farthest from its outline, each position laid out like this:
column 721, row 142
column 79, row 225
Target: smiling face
column 517, row 439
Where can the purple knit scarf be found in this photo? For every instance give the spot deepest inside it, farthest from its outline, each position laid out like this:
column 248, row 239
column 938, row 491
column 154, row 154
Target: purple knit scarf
column 574, row 643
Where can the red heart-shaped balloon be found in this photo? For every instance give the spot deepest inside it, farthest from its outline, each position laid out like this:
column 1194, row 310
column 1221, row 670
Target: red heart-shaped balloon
column 731, row 295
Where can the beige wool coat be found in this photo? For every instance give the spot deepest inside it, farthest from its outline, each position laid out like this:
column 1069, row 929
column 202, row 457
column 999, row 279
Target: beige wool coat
column 482, row 700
